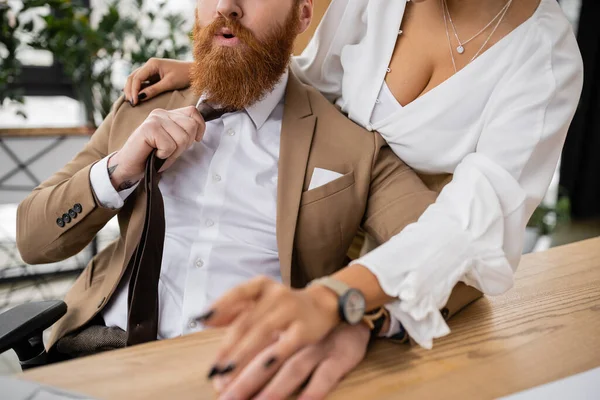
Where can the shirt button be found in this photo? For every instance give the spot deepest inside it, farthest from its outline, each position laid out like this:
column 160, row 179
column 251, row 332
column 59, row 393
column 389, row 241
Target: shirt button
column 199, row 263
column 210, row 222
column 192, row 324
column 370, row 127
column 217, row 178
column 377, row 101
column 231, row 132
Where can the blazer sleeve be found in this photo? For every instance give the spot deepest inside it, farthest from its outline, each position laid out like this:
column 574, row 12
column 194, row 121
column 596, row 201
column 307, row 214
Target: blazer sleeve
column 40, row 237
column 397, row 196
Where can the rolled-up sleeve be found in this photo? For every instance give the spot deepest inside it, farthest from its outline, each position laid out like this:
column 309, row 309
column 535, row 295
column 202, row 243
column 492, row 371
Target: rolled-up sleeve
column 474, row 231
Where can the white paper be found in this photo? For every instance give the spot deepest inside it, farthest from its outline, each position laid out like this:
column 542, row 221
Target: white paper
column 584, row 386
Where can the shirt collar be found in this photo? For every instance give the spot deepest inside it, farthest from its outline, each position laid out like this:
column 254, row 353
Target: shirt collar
column 260, row 111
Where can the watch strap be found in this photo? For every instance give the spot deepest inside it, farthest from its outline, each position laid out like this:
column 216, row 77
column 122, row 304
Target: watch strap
column 339, row 287
column 375, row 321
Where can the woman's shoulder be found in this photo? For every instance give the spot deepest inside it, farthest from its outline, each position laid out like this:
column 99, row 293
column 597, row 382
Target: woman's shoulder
column 548, row 36
column 552, row 25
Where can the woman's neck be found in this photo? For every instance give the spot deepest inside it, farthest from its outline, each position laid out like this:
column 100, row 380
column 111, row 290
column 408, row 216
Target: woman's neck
column 474, row 13
column 475, row 8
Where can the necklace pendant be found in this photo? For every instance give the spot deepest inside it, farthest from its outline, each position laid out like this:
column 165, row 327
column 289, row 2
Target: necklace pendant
column 460, row 49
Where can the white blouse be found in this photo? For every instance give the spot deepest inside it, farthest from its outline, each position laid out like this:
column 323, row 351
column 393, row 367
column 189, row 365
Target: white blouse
column 498, row 125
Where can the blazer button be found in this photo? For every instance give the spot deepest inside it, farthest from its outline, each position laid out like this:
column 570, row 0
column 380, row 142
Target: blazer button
column 72, row 213
column 66, row 218
column 101, row 302
column 78, row 209
column 60, row 222
column 445, row 313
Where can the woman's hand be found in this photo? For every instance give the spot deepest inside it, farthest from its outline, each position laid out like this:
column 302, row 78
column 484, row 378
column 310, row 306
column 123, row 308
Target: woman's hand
column 263, row 313
column 327, row 361
column 158, row 75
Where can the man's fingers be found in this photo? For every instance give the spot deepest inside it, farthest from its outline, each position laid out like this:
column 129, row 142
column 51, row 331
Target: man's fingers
column 244, row 340
column 249, row 381
column 189, row 126
column 160, row 140
column 293, row 373
column 325, row 378
column 181, row 139
column 289, row 342
column 183, row 129
column 195, row 125
column 192, row 112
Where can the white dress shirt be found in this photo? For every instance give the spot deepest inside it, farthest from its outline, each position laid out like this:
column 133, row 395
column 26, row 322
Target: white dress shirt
column 498, row 125
column 220, row 201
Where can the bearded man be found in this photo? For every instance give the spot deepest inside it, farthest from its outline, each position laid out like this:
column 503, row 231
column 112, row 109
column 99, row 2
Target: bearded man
column 277, row 184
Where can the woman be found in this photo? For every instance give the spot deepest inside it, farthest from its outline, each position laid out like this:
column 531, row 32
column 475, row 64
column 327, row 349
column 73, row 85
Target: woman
column 483, row 90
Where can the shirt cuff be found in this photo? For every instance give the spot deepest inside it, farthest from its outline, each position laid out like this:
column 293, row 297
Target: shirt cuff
column 395, row 326
column 103, row 188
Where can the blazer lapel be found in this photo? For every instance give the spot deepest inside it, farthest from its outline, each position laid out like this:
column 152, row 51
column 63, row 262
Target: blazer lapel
column 297, row 131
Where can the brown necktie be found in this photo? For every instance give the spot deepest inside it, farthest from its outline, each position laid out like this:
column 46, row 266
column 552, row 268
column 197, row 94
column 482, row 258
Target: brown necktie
column 142, row 321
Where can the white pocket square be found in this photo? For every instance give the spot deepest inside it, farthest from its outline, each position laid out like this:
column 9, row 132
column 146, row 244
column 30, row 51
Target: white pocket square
column 322, row 177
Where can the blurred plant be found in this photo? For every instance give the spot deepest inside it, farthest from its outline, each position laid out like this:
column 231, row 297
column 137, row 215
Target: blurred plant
column 89, row 52
column 10, row 67
column 546, row 218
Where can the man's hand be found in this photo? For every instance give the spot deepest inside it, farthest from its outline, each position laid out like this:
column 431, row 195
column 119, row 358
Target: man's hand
column 170, row 132
column 263, row 311
column 328, row 361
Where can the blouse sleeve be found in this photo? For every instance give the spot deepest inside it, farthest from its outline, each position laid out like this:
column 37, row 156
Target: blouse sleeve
column 474, row 231
column 320, row 64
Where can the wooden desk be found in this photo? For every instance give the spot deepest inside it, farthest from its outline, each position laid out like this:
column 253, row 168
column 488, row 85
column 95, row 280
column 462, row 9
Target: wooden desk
column 546, row 328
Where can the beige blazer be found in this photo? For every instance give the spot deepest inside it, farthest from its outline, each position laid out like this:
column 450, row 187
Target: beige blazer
column 315, row 228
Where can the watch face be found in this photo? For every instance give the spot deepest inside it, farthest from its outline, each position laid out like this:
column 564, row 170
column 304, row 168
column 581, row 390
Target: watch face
column 353, row 306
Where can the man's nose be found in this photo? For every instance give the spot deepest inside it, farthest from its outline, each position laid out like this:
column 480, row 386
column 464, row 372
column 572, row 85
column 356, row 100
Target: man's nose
column 229, row 9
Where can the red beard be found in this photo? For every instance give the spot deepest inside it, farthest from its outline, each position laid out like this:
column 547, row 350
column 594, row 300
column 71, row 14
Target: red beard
column 237, row 77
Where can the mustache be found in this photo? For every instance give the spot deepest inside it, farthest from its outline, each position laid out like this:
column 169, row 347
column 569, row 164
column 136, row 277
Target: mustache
column 236, row 28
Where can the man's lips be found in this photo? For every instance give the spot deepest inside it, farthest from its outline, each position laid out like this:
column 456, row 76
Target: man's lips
column 226, row 38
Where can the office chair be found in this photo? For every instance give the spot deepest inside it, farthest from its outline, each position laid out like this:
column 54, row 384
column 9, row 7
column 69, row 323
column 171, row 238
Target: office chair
column 21, row 330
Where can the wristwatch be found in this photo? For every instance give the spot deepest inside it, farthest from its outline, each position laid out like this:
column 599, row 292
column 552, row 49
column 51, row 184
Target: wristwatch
column 351, row 302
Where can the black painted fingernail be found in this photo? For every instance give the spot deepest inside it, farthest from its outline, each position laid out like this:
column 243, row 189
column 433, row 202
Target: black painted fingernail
column 229, row 368
column 270, row 362
column 142, row 96
column 213, row 371
column 206, row 316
